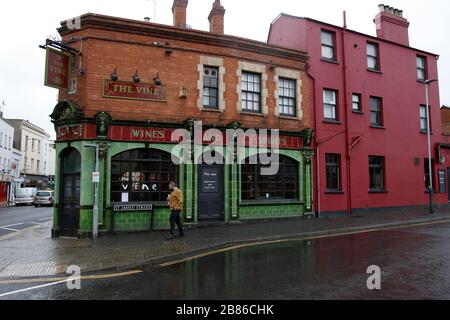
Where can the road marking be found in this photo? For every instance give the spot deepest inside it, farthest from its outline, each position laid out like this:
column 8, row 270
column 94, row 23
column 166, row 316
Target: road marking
column 44, row 219
column 64, row 279
column 9, row 229
column 35, row 223
column 254, row 244
column 37, row 287
column 12, row 225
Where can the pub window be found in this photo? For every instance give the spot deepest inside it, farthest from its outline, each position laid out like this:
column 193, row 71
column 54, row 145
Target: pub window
column 376, row 111
column 356, row 102
column 211, row 88
column 373, row 56
column 142, row 175
column 377, row 173
column 287, row 97
column 251, row 92
column 330, row 105
column 283, row 185
column 333, row 172
column 421, row 68
column 328, row 45
column 423, row 118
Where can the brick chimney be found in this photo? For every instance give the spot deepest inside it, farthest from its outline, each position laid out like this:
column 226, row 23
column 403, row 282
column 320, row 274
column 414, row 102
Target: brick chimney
column 391, row 25
column 216, row 18
column 179, row 13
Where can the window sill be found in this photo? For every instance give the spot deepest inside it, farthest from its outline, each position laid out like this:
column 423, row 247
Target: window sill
column 269, row 202
column 334, row 192
column 378, row 191
column 329, row 61
column 357, row 112
column 330, row 121
column 212, row 110
column 288, row 117
column 377, row 127
column 425, row 132
column 421, row 81
column 374, row 71
column 248, row 113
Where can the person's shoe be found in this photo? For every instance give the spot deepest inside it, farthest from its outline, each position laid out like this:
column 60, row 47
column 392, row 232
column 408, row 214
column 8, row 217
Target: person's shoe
column 171, row 237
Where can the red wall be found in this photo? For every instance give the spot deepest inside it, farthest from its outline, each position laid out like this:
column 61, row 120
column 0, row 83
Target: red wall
column 400, row 142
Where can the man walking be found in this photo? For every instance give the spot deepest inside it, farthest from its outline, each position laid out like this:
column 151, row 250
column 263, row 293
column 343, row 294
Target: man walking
column 176, row 206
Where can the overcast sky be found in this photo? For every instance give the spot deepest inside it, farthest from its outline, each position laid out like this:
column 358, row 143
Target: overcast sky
column 26, row 24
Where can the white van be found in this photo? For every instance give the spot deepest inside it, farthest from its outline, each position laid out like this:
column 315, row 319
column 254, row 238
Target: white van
column 25, row 196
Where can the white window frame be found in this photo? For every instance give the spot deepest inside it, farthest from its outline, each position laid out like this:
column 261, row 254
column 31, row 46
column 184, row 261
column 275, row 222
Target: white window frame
column 208, row 61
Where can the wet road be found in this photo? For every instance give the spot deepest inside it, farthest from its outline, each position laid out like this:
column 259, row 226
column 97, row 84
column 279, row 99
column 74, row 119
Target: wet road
column 14, row 219
column 415, row 264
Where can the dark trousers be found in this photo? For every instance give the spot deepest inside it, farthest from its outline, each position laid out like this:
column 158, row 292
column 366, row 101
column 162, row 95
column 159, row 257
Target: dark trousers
column 175, row 219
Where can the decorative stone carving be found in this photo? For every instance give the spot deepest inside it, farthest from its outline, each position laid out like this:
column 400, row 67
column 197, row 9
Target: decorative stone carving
column 102, row 121
column 307, row 136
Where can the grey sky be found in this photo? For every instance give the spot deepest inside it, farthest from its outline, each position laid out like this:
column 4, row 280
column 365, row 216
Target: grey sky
column 26, row 24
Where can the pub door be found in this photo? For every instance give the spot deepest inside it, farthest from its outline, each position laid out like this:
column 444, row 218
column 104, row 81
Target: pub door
column 211, row 205
column 69, row 203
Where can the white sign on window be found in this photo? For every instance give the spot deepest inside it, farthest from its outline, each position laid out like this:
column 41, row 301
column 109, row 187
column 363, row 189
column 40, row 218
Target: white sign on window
column 124, row 197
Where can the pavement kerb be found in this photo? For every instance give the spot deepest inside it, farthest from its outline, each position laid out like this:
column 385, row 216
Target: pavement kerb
column 214, row 248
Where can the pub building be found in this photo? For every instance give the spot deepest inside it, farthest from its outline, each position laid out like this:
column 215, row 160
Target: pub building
column 127, row 85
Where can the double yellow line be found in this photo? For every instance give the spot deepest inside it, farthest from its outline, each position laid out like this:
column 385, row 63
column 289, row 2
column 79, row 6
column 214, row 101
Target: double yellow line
column 90, row 277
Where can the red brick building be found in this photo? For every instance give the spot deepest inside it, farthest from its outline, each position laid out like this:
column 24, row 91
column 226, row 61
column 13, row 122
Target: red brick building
column 367, row 98
column 445, row 118
column 135, row 82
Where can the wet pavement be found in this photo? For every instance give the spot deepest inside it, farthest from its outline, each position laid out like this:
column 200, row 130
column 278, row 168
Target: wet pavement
column 414, row 263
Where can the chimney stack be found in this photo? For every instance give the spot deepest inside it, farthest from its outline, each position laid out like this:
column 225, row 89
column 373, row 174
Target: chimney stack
column 391, row 25
column 216, row 18
column 179, row 13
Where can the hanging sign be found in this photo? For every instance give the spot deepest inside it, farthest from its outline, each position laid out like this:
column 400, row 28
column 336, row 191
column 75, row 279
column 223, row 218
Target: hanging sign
column 133, row 91
column 57, row 69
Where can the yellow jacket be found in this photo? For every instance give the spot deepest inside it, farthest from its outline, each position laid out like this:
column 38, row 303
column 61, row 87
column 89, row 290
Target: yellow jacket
column 176, row 200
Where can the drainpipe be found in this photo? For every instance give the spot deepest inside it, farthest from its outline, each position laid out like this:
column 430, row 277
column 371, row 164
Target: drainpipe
column 316, row 144
column 347, row 117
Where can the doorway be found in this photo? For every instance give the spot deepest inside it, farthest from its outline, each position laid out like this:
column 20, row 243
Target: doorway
column 69, row 204
column 211, row 203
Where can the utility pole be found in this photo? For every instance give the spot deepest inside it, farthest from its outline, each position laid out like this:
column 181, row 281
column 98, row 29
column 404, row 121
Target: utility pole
column 430, row 162
column 95, row 211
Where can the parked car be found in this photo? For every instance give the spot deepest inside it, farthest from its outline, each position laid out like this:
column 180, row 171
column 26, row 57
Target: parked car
column 25, row 196
column 44, row 198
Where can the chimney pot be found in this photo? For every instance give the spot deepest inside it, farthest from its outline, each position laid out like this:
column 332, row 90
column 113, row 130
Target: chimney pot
column 179, row 13
column 216, row 18
column 391, row 25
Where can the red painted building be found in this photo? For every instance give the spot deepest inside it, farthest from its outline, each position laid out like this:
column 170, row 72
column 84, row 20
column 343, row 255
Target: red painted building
column 368, row 101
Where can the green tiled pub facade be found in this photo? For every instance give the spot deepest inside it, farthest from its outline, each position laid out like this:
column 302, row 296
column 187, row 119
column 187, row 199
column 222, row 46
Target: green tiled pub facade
column 75, row 190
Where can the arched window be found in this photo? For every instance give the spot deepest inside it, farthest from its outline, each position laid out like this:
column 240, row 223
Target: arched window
column 142, row 175
column 283, row 185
